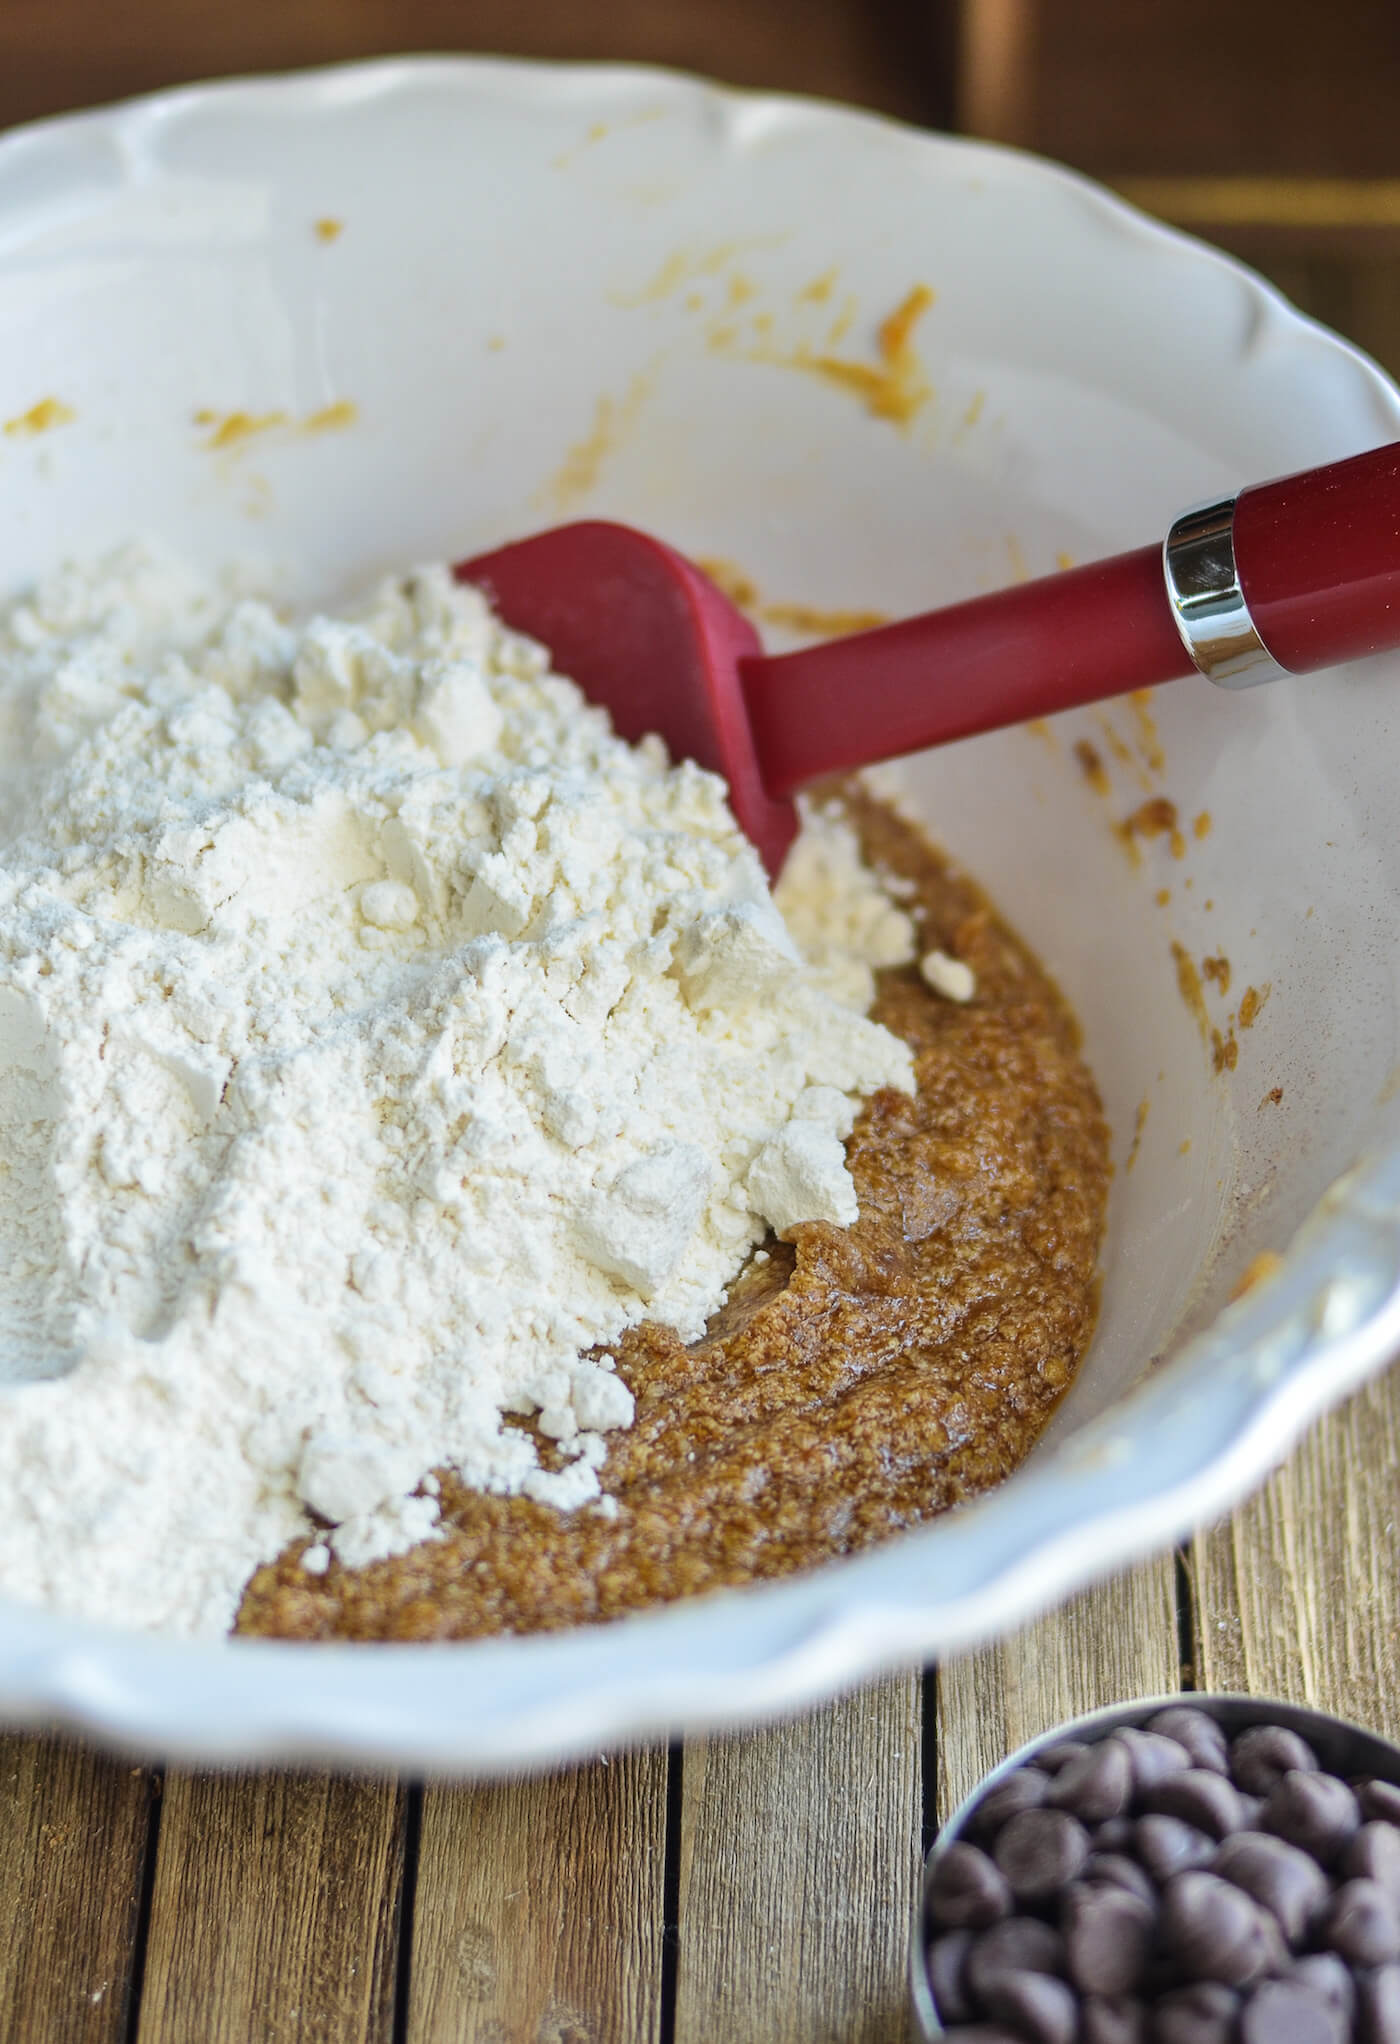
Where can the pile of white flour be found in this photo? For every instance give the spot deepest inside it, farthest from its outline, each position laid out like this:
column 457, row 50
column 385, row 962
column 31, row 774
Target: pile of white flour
column 378, row 1033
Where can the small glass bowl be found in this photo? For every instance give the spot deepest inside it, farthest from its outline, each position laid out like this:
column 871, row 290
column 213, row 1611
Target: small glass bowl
column 1342, row 1748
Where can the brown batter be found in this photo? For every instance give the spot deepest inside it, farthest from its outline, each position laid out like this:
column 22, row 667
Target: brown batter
column 859, row 1381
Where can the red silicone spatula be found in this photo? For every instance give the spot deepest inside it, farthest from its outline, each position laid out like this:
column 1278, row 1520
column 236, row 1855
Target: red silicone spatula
column 1283, row 578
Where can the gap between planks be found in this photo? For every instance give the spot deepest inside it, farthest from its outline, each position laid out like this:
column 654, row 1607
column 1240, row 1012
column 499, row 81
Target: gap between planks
column 1298, row 1595
column 274, row 1912
column 540, row 1905
column 1115, row 1641
column 75, row 1828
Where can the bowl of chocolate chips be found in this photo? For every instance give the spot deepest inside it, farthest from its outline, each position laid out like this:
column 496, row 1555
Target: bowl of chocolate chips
column 1188, row 1870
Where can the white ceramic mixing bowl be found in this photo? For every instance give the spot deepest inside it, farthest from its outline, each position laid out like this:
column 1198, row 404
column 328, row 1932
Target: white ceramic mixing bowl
column 355, row 319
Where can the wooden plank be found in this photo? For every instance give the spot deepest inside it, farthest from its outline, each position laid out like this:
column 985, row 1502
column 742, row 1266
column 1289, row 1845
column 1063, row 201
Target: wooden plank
column 274, row 1917
column 538, row 1909
column 73, row 1837
column 995, row 90
column 1130, row 87
column 799, row 1855
column 1117, row 1641
column 1298, row 1595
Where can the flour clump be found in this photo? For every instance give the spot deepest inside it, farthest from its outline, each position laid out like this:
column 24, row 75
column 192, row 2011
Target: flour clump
column 380, row 1036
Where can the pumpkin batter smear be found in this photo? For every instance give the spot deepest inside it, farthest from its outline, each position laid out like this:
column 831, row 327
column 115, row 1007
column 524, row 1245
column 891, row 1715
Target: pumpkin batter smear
column 859, row 1381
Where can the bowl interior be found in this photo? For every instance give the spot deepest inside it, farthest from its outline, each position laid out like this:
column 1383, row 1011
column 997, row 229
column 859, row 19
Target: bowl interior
column 324, row 327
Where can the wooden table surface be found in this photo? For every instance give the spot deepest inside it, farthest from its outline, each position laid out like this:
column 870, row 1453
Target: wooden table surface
column 740, row 1890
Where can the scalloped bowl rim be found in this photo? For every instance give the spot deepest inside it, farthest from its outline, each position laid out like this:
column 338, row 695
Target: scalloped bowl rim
column 1273, row 1362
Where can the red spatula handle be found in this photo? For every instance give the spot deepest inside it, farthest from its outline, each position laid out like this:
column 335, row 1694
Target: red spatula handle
column 1318, row 558
column 1043, row 646
column 1294, row 574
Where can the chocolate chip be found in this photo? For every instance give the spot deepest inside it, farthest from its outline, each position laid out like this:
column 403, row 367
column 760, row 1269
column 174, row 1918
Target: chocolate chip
column 1119, row 2020
column 1378, row 2017
column 947, row 1957
column 1108, row 1935
column 1380, row 1799
column 1286, row 2012
column 1280, row 1876
column 1205, row 1800
column 1315, row 1811
column 1098, row 1784
column 1039, row 1851
column 1202, row 2014
column 1053, row 1758
column 1262, row 1756
column 1332, row 1979
column 1019, row 1944
column 1166, row 1846
column 1025, row 1789
column 1200, row 1735
column 1374, row 1855
column 965, row 1890
column 1116, row 1835
column 1152, row 1755
column 1036, row 2006
column 1214, row 1931
column 1361, row 1924
column 1116, row 1870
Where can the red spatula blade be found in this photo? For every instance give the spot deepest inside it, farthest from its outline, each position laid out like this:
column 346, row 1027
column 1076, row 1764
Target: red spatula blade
column 650, row 638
